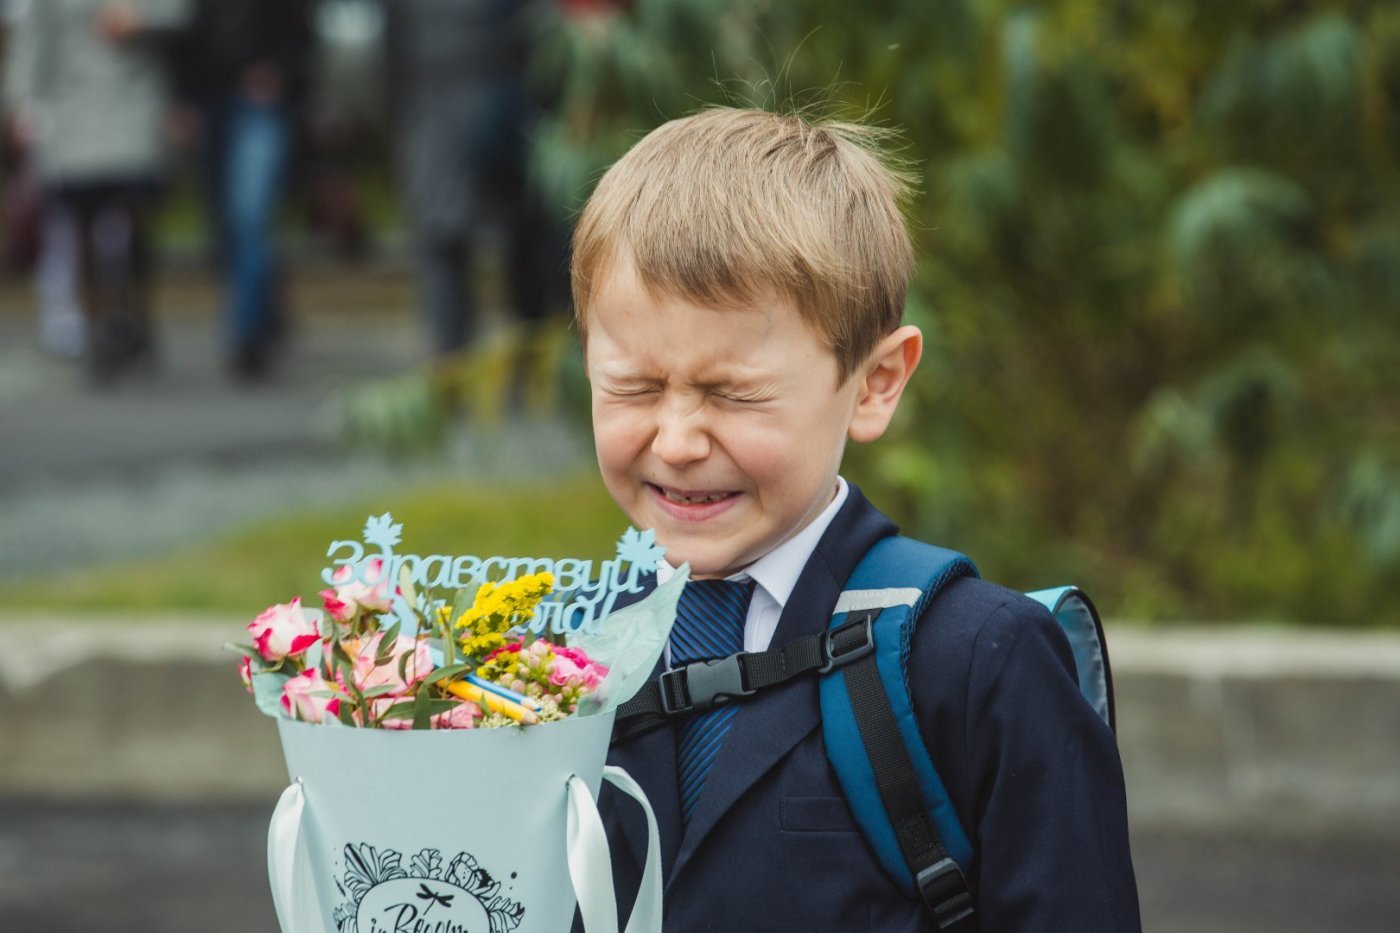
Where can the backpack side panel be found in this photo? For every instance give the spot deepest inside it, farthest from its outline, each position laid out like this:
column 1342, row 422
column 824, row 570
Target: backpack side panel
column 898, row 576
column 1080, row 621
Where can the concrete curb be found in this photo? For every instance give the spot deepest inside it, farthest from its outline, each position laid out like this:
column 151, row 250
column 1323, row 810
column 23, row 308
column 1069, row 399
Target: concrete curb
column 1273, row 727
column 1222, row 726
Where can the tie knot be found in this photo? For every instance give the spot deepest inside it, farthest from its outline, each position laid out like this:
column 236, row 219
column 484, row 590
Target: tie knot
column 710, row 620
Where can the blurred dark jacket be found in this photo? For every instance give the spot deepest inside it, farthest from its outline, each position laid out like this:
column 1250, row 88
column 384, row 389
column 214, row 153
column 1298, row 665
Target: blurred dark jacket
column 460, row 106
column 225, row 37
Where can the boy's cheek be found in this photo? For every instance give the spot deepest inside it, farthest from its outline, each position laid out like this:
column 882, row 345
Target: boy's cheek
column 615, row 463
column 613, row 443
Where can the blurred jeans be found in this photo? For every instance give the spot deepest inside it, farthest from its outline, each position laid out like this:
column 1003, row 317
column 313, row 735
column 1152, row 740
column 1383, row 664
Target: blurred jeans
column 249, row 149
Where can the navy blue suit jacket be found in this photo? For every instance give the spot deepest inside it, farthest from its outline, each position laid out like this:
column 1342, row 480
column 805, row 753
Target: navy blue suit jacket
column 1031, row 769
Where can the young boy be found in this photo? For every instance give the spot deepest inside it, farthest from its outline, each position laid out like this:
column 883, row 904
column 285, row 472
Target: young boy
column 739, row 280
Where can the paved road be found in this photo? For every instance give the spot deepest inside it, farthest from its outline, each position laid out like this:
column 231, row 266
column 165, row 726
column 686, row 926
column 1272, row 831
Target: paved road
column 150, row 464
column 119, row 869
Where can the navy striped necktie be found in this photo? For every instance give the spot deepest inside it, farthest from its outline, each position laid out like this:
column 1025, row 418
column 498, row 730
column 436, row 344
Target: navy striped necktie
column 709, row 624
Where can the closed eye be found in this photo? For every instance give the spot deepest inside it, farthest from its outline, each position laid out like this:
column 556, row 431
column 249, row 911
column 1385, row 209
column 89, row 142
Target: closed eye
column 741, row 399
column 631, row 387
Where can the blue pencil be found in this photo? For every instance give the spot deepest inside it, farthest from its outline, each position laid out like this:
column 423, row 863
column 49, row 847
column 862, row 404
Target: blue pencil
column 504, row 692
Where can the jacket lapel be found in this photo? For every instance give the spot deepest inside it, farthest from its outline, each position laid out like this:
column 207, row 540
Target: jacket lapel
column 772, row 722
column 651, row 761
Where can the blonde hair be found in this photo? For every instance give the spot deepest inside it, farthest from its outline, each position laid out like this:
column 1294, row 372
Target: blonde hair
column 726, row 207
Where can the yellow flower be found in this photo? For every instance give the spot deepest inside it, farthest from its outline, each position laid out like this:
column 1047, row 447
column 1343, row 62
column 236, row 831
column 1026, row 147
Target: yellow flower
column 498, row 608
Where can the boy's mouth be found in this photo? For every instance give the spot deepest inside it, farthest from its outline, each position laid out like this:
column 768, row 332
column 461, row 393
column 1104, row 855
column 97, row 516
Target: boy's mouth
column 691, row 497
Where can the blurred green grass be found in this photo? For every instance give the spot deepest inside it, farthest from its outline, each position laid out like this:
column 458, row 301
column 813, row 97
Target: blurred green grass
column 272, row 561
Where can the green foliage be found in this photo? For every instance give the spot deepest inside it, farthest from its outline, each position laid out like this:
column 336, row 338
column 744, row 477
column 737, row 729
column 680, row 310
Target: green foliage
column 1160, row 266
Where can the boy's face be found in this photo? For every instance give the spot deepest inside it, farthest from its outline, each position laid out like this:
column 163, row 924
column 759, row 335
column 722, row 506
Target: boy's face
column 721, row 429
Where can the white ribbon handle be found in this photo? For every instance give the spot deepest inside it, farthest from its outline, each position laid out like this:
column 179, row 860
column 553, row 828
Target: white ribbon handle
column 289, row 867
column 646, row 912
column 590, row 866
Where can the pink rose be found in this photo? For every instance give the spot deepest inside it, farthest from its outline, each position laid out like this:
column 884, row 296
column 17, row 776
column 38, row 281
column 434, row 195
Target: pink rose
column 369, row 676
column 350, row 596
column 381, row 706
column 283, row 631
column 245, row 670
column 299, row 699
column 462, row 716
column 572, row 667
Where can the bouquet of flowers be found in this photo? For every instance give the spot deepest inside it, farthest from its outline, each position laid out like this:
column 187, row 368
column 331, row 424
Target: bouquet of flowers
column 405, row 678
column 474, row 663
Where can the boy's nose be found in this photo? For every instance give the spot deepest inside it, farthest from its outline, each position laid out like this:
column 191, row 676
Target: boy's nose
column 680, row 438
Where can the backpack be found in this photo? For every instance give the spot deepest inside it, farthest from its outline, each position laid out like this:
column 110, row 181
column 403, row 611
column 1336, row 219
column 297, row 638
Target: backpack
column 872, row 739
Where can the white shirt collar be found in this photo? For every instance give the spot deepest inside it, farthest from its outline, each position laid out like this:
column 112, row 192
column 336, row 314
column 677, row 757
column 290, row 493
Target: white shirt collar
column 777, row 571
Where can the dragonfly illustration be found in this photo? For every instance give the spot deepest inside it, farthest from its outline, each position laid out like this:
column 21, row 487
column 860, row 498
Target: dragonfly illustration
column 426, row 894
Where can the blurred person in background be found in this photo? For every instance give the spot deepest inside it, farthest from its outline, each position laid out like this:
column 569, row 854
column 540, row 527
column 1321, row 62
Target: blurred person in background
column 345, row 126
column 243, row 70
column 38, row 233
column 62, row 328
column 87, row 91
column 463, row 117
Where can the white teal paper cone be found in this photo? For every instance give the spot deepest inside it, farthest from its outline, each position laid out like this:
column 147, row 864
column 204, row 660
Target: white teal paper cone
column 438, row 831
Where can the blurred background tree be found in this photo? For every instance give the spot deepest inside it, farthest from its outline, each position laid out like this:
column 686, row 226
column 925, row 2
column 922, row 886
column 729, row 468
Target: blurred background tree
column 1159, row 272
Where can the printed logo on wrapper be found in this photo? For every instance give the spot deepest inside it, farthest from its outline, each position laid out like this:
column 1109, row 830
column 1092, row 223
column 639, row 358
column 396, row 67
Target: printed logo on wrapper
column 437, row 831
column 428, row 894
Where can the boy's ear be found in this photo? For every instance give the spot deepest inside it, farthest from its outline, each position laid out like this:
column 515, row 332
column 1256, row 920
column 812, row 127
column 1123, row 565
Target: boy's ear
column 882, row 381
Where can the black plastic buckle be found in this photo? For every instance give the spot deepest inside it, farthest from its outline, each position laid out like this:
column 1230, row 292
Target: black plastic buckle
column 838, row 657
column 944, row 890
column 703, row 685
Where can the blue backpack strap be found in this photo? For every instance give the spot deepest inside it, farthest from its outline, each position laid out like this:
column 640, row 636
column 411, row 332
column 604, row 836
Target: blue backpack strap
column 1082, row 626
column 924, row 848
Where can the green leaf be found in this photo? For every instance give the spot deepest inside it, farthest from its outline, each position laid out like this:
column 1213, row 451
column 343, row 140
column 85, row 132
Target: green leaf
column 463, row 601
column 379, row 691
column 447, row 672
column 409, row 708
column 339, row 652
column 347, row 676
column 385, row 652
column 410, row 595
column 422, row 717
column 445, row 645
column 401, row 710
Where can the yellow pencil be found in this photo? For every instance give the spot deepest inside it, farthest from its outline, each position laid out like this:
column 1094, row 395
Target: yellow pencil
column 493, row 702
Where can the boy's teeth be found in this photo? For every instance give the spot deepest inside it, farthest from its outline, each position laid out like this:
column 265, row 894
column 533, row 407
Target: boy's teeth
column 692, row 500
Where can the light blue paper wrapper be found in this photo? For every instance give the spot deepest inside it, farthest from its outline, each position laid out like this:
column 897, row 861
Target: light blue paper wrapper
column 630, row 642
column 466, row 831
column 439, row 830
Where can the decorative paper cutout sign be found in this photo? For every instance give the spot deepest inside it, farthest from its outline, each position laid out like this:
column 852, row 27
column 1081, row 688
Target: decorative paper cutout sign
column 583, row 593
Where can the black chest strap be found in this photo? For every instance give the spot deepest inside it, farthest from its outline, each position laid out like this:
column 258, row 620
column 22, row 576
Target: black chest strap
column 703, row 685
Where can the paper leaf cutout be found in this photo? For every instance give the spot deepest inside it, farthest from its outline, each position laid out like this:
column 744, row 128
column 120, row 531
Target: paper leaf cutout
column 383, row 532
column 639, row 548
